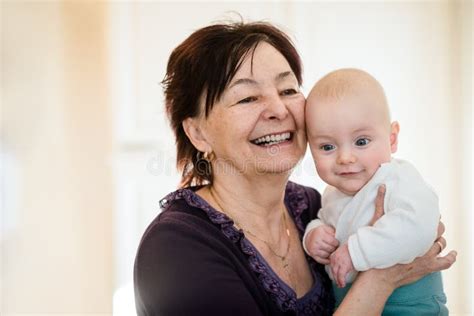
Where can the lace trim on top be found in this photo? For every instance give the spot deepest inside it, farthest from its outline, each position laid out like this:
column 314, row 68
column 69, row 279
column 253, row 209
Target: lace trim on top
column 281, row 293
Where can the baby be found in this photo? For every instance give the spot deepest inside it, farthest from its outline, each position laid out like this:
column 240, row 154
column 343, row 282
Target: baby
column 351, row 140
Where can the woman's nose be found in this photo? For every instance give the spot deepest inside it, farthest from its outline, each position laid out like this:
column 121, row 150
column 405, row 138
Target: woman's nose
column 276, row 108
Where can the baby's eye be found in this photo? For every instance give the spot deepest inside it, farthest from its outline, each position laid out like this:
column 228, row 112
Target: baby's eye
column 247, row 100
column 362, row 142
column 327, row 147
column 289, row 92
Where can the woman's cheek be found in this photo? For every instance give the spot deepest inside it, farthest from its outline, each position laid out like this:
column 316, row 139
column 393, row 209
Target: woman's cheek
column 299, row 108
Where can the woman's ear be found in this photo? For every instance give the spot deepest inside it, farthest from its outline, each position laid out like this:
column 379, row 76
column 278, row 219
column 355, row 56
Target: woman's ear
column 192, row 128
column 394, row 130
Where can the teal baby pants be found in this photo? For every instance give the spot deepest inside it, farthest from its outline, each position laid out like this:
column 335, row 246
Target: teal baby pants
column 422, row 298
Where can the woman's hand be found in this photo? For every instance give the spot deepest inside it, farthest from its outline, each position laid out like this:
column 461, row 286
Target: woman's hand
column 378, row 205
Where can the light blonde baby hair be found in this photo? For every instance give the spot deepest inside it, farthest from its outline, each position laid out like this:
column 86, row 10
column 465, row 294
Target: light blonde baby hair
column 349, row 81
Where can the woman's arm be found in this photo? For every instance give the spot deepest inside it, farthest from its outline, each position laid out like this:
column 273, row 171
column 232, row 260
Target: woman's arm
column 372, row 288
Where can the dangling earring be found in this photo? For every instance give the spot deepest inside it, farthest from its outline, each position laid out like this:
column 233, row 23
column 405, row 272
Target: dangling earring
column 205, row 156
column 208, row 156
column 203, row 163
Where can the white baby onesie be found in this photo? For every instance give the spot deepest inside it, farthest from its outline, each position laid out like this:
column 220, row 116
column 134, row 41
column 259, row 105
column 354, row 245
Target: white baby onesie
column 406, row 230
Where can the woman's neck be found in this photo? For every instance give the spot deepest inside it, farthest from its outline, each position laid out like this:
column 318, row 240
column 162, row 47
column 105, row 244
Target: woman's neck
column 256, row 203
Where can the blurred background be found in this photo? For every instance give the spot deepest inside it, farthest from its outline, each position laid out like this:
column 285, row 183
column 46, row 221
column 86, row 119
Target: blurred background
column 86, row 151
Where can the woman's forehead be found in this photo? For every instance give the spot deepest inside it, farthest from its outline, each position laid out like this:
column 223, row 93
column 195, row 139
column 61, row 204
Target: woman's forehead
column 265, row 62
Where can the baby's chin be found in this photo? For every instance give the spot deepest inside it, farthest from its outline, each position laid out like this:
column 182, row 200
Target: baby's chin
column 350, row 189
column 351, row 193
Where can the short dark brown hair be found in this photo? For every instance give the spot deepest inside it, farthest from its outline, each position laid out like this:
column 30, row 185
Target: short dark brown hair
column 203, row 65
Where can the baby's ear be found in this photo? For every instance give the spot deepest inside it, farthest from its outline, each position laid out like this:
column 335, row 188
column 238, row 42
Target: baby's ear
column 394, row 130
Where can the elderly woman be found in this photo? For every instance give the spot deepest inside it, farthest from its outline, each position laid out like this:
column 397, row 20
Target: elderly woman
column 228, row 242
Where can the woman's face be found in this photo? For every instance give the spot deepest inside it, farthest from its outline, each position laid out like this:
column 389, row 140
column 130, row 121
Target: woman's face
column 257, row 126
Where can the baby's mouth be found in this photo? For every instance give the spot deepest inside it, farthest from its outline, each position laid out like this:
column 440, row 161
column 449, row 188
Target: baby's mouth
column 348, row 173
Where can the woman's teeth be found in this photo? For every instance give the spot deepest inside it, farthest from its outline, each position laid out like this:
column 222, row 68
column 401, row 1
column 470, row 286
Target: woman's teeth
column 272, row 139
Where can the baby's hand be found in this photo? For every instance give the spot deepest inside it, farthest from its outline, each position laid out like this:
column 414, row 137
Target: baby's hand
column 341, row 265
column 321, row 243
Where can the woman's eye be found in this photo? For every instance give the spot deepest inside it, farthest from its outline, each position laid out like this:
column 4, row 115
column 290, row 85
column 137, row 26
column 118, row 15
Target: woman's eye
column 327, row 147
column 362, row 142
column 247, row 100
column 289, row 92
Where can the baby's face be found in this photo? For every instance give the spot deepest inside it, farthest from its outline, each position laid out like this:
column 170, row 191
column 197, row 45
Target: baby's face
column 349, row 139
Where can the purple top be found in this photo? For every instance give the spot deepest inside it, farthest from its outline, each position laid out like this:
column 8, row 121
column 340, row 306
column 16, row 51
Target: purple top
column 247, row 268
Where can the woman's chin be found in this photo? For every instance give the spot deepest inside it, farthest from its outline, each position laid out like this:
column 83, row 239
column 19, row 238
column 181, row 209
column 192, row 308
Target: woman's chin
column 284, row 166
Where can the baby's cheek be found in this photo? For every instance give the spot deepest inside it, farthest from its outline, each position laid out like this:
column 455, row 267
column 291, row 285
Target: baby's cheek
column 322, row 167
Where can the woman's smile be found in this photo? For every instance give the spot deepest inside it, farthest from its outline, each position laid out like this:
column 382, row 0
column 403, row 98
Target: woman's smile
column 273, row 139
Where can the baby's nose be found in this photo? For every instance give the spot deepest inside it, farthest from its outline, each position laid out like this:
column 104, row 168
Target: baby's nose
column 346, row 157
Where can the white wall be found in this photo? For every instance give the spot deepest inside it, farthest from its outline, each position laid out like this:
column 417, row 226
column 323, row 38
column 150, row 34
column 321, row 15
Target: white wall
column 56, row 243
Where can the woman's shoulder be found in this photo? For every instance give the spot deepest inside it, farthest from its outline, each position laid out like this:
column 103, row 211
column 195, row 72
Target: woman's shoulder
column 303, row 202
column 298, row 192
column 183, row 212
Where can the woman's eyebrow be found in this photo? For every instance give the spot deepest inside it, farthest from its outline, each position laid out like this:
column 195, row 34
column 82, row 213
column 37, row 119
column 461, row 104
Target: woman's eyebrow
column 283, row 75
column 243, row 81
column 248, row 81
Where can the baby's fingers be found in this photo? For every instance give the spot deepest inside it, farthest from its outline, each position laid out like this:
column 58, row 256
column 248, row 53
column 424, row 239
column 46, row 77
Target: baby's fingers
column 334, row 273
column 327, row 247
column 321, row 253
column 331, row 241
column 341, row 278
column 322, row 260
